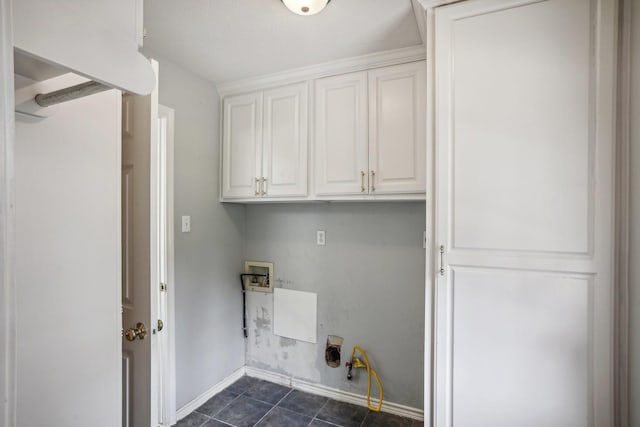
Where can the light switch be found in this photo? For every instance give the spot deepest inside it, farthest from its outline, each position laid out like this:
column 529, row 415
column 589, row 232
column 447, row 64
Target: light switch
column 320, row 238
column 186, row 223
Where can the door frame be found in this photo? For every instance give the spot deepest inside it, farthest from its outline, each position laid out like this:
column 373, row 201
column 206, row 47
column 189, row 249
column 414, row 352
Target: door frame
column 7, row 221
column 167, row 352
column 623, row 179
column 428, row 14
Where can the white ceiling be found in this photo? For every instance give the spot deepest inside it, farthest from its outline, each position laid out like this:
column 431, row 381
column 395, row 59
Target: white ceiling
column 224, row 40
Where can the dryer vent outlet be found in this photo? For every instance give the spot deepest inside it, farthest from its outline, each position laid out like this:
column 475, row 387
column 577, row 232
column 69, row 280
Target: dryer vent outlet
column 332, row 351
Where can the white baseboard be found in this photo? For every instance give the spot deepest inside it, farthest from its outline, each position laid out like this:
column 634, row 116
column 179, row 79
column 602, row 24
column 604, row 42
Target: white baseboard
column 198, row 401
column 333, row 393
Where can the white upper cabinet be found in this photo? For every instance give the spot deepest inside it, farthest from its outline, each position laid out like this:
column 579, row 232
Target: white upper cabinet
column 397, row 129
column 264, row 144
column 341, row 153
column 369, row 138
column 284, row 153
column 241, row 146
column 98, row 39
column 370, row 132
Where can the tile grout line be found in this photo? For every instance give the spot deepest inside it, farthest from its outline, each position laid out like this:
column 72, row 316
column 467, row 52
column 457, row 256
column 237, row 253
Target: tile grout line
column 369, row 411
column 223, row 422
column 225, row 406
column 213, row 417
column 276, row 404
column 315, row 417
column 334, row 424
column 233, row 400
column 365, row 417
column 299, row 414
column 208, row 416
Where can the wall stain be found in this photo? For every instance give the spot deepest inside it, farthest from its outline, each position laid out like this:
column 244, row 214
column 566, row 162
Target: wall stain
column 287, row 342
column 262, row 322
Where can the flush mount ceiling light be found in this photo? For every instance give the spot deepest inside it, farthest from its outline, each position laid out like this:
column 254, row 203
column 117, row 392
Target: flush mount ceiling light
column 305, row 7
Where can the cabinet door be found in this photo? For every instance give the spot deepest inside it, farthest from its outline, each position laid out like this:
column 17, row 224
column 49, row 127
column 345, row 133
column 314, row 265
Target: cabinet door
column 397, row 134
column 241, row 145
column 284, row 154
column 525, row 138
column 341, row 153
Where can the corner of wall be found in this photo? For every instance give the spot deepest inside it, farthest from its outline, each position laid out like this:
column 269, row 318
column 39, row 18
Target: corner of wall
column 207, row 259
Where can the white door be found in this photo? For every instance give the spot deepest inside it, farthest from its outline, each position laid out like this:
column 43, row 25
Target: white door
column 397, row 126
column 140, row 280
column 341, row 141
column 284, row 153
column 242, row 146
column 166, row 275
column 67, row 267
column 524, row 140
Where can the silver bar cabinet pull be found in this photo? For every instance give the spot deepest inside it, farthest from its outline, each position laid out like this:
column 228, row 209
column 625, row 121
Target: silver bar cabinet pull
column 264, row 186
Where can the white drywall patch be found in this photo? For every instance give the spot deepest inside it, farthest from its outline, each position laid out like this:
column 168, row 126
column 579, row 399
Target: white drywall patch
column 295, row 314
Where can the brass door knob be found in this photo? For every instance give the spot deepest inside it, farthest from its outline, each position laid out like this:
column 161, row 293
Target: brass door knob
column 139, row 331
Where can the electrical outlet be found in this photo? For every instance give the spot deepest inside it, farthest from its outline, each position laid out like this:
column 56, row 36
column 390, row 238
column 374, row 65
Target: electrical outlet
column 320, row 238
column 186, row 224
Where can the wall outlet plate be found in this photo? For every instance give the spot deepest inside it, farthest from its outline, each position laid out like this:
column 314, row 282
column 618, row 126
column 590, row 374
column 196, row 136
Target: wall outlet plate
column 186, row 224
column 259, row 282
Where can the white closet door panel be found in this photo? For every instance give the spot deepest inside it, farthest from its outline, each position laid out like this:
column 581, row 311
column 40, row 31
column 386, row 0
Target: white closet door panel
column 524, row 338
column 341, row 144
column 285, row 141
column 241, row 145
column 524, row 140
column 526, row 97
column 397, row 129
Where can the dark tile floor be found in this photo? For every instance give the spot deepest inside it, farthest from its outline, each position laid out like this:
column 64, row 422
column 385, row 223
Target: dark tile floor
column 253, row 402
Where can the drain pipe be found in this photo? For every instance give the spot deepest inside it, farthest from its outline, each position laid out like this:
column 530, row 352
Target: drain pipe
column 244, row 299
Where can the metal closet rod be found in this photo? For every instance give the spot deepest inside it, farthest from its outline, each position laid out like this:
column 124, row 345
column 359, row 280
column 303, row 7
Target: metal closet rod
column 70, row 93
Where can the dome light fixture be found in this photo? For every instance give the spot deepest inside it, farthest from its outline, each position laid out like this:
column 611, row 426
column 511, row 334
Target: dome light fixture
column 305, row 7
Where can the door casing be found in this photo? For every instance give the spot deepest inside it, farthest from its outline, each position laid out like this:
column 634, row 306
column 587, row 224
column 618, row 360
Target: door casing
column 7, row 222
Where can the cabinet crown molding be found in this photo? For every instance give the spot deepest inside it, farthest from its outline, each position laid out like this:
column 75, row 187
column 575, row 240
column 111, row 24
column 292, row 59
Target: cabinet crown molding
column 430, row 4
column 340, row 66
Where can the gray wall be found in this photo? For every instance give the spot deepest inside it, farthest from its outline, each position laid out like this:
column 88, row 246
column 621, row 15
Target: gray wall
column 634, row 258
column 370, row 284
column 209, row 342
column 369, row 277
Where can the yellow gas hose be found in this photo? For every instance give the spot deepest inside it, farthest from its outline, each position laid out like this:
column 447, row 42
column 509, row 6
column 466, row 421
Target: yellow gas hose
column 357, row 363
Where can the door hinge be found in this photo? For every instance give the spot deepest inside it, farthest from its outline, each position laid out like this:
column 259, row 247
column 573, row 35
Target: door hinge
column 163, row 287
